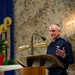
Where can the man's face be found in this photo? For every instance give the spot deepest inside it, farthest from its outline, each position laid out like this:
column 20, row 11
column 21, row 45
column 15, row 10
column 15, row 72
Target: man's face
column 54, row 32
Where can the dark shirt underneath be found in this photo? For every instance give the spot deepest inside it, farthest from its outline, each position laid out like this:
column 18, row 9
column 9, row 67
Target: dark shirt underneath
column 60, row 42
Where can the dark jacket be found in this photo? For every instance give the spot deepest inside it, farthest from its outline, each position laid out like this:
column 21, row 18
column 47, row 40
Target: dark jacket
column 68, row 49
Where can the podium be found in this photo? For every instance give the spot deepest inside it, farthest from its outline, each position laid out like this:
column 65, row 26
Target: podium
column 37, row 63
column 40, row 70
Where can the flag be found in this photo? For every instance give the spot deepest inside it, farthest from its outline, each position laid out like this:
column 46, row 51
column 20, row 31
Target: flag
column 7, row 27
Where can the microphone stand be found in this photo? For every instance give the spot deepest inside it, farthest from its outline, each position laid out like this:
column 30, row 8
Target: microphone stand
column 32, row 42
column 32, row 45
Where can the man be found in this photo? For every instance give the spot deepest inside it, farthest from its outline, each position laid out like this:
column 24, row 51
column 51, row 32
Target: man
column 59, row 48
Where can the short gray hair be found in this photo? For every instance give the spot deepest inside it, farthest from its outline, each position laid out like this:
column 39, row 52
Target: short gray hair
column 58, row 26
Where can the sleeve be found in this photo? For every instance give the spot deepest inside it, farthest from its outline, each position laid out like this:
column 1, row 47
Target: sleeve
column 47, row 50
column 69, row 55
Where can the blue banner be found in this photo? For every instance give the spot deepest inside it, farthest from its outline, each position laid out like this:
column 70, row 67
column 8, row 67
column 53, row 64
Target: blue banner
column 7, row 26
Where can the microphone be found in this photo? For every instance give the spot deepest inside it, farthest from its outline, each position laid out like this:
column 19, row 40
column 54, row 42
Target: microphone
column 43, row 38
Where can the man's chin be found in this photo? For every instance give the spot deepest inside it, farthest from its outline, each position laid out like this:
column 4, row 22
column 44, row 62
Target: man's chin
column 53, row 38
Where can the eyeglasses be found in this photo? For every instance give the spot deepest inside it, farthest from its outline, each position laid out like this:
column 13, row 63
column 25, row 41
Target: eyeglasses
column 52, row 30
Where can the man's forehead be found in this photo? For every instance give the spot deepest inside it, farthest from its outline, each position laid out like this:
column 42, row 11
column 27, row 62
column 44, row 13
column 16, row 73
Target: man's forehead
column 53, row 27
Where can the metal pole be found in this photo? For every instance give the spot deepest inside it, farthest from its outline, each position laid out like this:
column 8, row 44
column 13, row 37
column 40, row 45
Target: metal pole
column 32, row 45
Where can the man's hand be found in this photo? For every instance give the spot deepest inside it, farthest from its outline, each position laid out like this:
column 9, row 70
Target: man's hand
column 61, row 53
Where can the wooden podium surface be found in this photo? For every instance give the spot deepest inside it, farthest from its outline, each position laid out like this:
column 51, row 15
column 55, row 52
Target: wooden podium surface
column 50, row 61
column 33, row 71
column 29, row 69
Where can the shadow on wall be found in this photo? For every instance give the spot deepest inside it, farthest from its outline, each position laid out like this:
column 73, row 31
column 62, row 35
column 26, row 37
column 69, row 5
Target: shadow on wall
column 74, row 56
column 71, row 69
